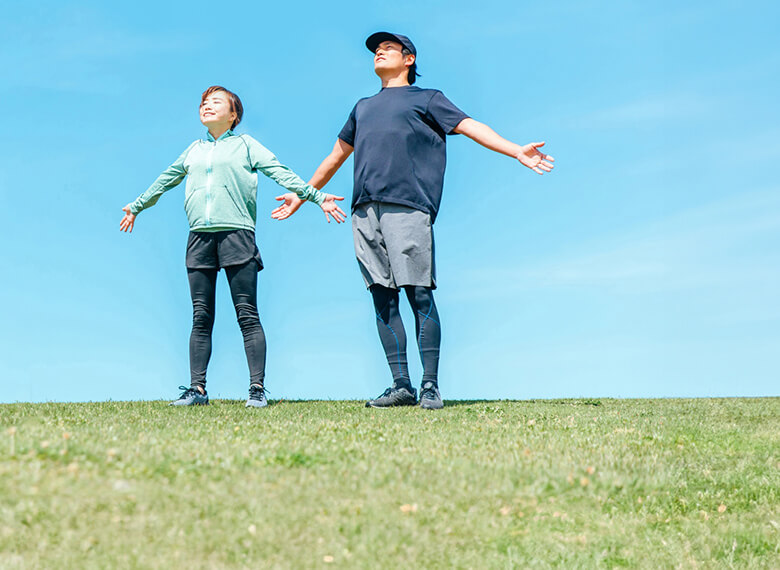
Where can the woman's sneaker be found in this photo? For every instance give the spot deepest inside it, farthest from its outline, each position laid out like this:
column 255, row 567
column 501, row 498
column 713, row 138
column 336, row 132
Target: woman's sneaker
column 256, row 397
column 430, row 399
column 394, row 397
column 191, row 397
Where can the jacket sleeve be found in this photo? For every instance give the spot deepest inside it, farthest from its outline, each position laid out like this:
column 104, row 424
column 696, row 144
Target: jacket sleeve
column 170, row 178
column 263, row 160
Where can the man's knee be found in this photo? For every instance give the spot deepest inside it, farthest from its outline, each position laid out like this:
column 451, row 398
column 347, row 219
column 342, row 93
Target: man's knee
column 383, row 297
column 421, row 298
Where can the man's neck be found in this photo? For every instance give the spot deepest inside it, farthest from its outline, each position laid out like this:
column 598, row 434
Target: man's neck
column 401, row 80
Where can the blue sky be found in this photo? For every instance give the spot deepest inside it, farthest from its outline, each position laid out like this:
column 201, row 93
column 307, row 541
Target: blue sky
column 647, row 264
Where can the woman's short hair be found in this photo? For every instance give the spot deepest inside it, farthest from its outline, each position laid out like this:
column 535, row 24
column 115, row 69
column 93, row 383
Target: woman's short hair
column 235, row 103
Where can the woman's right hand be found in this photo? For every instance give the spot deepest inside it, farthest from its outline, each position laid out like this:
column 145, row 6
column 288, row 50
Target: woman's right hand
column 128, row 221
column 290, row 206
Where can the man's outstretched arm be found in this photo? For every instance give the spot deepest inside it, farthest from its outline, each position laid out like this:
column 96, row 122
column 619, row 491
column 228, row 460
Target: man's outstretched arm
column 322, row 176
column 528, row 155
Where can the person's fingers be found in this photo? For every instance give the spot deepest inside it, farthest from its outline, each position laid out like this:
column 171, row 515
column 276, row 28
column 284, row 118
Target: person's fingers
column 545, row 168
column 548, row 164
column 340, row 211
column 548, row 157
column 339, row 198
column 537, row 170
column 537, row 144
column 327, row 217
column 281, row 198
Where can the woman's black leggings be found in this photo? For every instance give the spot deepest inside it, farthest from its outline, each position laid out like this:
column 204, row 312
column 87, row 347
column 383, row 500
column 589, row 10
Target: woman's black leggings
column 243, row 289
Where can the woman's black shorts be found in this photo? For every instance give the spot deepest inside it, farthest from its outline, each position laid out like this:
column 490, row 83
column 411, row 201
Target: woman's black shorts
column 215, row 250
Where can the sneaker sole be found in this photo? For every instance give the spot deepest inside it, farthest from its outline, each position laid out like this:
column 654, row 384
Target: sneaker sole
column 378, row 407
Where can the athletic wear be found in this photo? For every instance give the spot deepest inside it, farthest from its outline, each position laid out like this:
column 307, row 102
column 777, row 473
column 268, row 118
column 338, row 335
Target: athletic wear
column 221, row 191
column 394, row 397
column 243, row 289
column 191, row 397
column 430, row 399
column 391, row 333
column 215, row 250
column 394, row 245
column 428, row 328
column 400, row 150
column 393, row 336
column 256, row 397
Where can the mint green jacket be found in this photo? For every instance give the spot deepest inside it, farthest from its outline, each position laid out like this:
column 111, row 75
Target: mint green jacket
column 221, row 190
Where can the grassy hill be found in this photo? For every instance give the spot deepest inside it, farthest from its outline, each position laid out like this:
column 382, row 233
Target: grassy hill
column 505, row 484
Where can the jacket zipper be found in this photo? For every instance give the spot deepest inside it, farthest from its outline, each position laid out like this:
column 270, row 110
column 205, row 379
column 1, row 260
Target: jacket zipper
column 208, row 184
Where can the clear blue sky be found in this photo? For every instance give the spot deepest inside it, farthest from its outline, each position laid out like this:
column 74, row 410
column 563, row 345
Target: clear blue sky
column 646, row 264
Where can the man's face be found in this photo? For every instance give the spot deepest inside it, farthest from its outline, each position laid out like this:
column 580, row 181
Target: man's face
column 389, row 58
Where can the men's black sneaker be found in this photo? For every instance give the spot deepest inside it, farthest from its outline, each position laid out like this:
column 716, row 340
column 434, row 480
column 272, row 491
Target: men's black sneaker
column 430, row 399
column 256, row 397
column 191, row 397
column 394, row 397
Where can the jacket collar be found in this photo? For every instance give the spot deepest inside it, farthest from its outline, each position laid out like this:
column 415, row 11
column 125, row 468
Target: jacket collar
column 226, row 134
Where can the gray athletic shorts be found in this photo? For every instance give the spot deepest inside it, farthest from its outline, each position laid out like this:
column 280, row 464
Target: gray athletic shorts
column 394, row 245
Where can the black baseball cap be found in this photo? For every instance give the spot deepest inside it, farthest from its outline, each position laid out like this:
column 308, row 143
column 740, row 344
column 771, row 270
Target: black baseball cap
column 374, row 40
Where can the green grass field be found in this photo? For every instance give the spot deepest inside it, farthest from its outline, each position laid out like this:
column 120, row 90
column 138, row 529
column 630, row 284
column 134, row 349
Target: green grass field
column 505, row 484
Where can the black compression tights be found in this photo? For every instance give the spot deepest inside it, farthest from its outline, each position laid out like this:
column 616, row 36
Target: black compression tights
column 393, row 336
column 243, row 289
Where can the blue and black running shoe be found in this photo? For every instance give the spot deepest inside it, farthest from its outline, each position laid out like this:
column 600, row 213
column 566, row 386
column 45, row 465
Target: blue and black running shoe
column 394, row 397
column 430, row 399
column 256, row 397
column 191, row 397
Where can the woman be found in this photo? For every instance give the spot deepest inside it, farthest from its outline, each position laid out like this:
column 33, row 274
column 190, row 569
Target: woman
column 221, row 205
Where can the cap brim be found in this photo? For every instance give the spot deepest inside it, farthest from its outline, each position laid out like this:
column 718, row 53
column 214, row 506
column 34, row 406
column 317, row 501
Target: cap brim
column 373, row 41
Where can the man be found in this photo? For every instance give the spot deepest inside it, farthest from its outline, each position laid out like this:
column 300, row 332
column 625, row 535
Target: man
column 398, row 136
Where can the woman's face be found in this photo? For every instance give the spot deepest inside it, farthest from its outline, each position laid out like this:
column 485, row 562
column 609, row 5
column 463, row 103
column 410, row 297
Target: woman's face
column 215, row 110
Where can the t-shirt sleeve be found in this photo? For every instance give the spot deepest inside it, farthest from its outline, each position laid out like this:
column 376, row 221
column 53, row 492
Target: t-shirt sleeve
column 347, row 133
column 444, row 112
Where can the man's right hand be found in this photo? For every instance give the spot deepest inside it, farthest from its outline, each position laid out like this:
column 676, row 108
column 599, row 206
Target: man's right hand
column 290, row 206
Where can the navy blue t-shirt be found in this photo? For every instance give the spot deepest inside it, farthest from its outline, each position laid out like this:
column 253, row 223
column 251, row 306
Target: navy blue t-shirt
column 400, row 149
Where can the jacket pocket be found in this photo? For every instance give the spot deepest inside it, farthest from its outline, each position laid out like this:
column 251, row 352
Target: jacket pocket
column 194, row 206
column 239, row 208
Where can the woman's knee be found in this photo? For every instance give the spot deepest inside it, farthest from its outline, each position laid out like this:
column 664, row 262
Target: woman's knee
column 247, row 315
column 202, row 315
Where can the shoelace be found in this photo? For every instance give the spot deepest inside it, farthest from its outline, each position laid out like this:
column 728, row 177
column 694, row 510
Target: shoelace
column 385, row 393
column 187, row 391
column 428, row 392
column 257, row 392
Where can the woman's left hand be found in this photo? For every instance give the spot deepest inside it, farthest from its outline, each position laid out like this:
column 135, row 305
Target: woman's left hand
column 127, row 223
column 330, row 208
